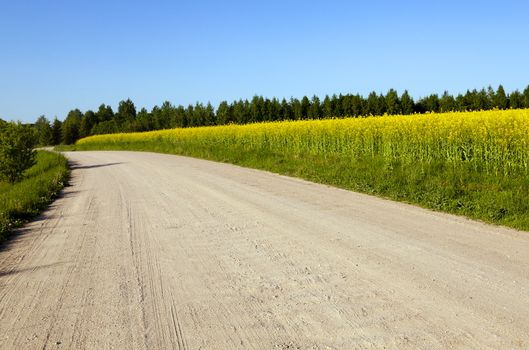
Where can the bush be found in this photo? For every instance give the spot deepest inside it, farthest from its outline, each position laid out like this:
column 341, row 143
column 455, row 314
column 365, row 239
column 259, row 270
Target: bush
column 16, row 150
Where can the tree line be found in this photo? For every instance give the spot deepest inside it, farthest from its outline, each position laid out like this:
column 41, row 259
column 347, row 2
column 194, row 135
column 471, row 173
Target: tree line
column 77, row 124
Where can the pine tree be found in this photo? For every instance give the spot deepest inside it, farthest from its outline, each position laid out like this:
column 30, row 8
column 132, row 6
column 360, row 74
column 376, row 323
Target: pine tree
column 357, row 105
column 327, row 109
column 286, row 110
column 296, row 109
column 275, row 109
column 305, row 105
column 56, row 132
column 526, row 97
column 482, row 101
column 372, row 104
column 447, row 103
column 393, row 103
column 239, row 112
column 223, row 113
column 516, row 100
column 500, row 99
column 336, row 106
column 406, row 102
column 143, row 121
column 209, row 115
column 315, row 108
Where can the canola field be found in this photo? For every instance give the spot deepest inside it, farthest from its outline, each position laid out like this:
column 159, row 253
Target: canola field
column 494, row 141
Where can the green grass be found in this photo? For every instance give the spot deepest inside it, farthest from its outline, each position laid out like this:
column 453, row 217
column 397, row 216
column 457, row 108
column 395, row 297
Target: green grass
column 461, row 190
column 25, row 199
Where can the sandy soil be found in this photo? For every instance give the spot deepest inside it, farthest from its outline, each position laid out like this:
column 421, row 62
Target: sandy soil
column 164, row 252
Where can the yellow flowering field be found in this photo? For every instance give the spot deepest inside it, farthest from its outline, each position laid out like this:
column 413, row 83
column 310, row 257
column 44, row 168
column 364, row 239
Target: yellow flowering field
column 494, row 141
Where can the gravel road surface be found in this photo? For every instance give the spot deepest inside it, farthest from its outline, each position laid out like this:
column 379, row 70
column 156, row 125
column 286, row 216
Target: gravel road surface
column 152, row 251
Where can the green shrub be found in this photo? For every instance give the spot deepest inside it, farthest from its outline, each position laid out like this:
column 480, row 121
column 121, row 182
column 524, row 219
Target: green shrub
column 16, row 150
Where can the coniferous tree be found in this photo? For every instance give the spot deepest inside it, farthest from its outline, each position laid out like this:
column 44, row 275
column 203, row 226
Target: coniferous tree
column 345, row 105
column 239, row 112
column 209, row 115
column 286, row 110
column 516, row 100
column 393, row 103
column 482, row 100
column 526, row 97
column 381, row 105
column 327, row 109
column 447, row 103
column 164, row 116
column 356, row 105
column 223, row 113
column 406, row 103
column 266, row 110
column 144, row 121
column 176, row 117
column 56, row 132
column 465, row 101
column 428, row 104
column 181, row 117
column 256, row 109
column 274, row 109
column 500, row 98
column 372, row 104
column 190, row 112
column 296, row 109
column 155, row 117
column 314, row 111
column 199, row 115
column 305, row 106
column 336, row 106
column 491, row 96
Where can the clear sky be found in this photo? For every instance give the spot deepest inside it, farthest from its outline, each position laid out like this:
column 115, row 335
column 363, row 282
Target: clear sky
column 60, row 55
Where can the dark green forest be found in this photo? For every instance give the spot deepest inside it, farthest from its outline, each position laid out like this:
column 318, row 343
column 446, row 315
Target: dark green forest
column 104, row 120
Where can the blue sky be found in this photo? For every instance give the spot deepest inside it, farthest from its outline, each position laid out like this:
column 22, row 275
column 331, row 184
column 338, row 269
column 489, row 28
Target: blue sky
column 60, row 55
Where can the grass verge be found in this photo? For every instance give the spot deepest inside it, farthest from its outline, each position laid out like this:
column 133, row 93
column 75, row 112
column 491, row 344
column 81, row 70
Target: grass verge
column 25, row 199
column 461, row 189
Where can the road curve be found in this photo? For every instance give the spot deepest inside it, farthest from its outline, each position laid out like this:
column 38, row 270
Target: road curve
column 152, row 251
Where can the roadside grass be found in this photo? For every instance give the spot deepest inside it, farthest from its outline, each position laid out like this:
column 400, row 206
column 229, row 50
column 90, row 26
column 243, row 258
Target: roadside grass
column 458, row 189
column 27, row 198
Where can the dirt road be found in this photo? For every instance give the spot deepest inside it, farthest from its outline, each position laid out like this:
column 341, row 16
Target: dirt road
column 163, row 252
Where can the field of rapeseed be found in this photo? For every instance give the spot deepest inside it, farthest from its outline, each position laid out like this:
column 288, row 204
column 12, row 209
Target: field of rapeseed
column 493, row 141
column 471, row 163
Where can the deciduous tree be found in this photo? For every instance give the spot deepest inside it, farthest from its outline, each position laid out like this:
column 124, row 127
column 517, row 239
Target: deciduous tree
column 17, row 152
column 44, row 131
